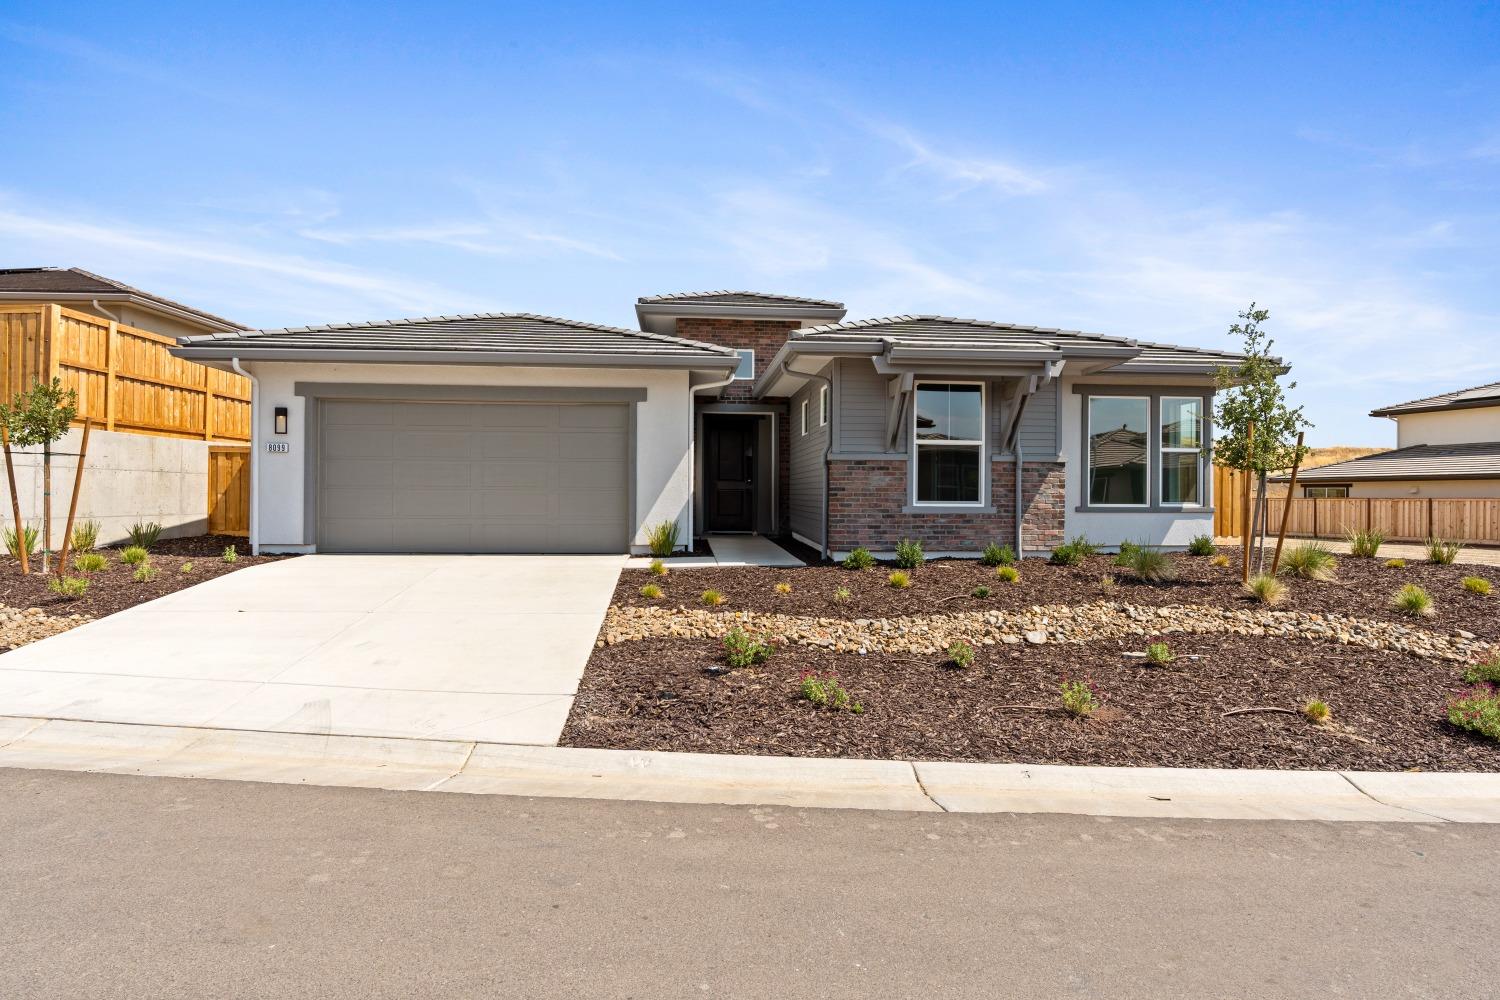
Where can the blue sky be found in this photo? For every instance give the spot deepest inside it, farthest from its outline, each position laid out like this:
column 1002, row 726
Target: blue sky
column 1132, row 170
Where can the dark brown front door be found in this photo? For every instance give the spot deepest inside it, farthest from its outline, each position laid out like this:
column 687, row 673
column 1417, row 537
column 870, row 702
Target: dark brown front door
column 729, row 473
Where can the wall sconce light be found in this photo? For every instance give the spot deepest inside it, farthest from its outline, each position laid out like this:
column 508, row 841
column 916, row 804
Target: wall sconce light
column 281, row 419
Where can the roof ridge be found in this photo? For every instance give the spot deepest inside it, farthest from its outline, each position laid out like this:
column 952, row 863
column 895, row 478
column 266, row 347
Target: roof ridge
column 683, row 296
column 1439, row 395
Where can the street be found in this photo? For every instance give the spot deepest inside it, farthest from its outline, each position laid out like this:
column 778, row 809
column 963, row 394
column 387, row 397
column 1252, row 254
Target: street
column 159, row 887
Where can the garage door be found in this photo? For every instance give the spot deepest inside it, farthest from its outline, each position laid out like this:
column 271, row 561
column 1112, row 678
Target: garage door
column 472, row 477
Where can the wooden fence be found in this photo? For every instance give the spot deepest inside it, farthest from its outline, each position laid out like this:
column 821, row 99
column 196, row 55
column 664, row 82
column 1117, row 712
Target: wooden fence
column 228, row 491
column 125, row 378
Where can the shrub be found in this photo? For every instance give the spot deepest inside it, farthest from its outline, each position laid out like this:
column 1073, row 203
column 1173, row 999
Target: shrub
column 1477, row 710
column 712, row 598
column 1219, row 560
column 1364, row 544
column 230, row 555
column 1074, row 551
column 1310, row 561
column 1485, row 671
column 658, row 568
column 144, row 573
column 900, row 579
column 859, row 558
column 1266, row 589
column 1159, row 652
column 1108, row 584
column 909, row 554
column 1444, row 552
column 145, row 534
column 1395, row 564
column 981, row 592
column 1477, row 585
column 843, row 594
column 1008, row 574
column 28, row 538
column 1127, row 552
column 961, row 654
column 651, row 592
column 998, row 555
column 134, row 555
column 90, row 562
column 661, row 538
column 783, row 588
column 1080, row 699
column 1412, row 600
column 1317, row 711
column 70, row 587
column 85, row 536
column 825, row 691
column 1151, row 565
column 742, row 651
column 1202, row 545
column 186, row 567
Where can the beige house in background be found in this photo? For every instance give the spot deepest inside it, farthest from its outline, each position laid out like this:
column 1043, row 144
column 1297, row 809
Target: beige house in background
column 1446, row 446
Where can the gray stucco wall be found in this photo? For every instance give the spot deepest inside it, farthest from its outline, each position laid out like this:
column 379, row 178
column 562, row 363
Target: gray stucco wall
column 806, row 475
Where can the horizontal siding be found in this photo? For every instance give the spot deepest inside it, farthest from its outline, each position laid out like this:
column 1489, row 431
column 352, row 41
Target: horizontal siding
column 862, row 406
column 1038, row 435
column 806, row 478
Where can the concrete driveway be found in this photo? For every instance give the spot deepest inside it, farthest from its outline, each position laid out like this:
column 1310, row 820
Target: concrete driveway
column 450, row 647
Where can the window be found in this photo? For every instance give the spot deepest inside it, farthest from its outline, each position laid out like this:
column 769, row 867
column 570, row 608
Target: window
column 1181, row 450
column 948, row 441
column 1119, row 453
column 1325, row 491
column 746, row 370
column 823, row 407
column 804, row 416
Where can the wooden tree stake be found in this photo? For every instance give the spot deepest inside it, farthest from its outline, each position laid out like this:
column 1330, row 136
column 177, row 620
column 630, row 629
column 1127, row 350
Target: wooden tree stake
column 1286, row 506
column 83, row 450
column 1250, row 456
column 15, row 503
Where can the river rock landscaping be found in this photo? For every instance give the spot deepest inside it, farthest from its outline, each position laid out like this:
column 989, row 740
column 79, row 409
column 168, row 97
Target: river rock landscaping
column 1230, row 692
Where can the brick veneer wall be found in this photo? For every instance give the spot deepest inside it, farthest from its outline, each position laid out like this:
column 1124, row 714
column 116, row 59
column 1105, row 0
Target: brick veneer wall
column 866, row 498
column 764, row 337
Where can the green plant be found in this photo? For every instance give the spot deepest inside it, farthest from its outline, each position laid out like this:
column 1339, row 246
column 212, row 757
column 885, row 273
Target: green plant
column 1202, row 545
column 144, row 573
column 998, row 555
column 712, row 598
column 843, row 594
column 1126, row 553
column 1074, row 551
column 1108, row 584
column 1477, row 710
column 28, row 538
column 90, row 562
column 186, row 567
column 1395, row 564
column 742, row 651
column 1442, row 551
column 1159, row 652
column 1364, row 544
column 980, row 592
column 1266, row 589
column 658, row 568
column 85, row 537
column 661, row 538
column 1080, row 699
column 859, row 558
column 783, row 588
column 961, row 654
column 1008, row 574
column 134, row 555
column 1477, row 585
column 41, row 416
column 1412, row 600
column 1317, row 711
column 1310, row 561
column 900, row 579
column 825, row 691
column 1219, row 560
column 70, row 587
column 909, row 554
column 1151, row 565
column 145, row 534
column 230, row 555
column 1485, row 671
column 651, row 592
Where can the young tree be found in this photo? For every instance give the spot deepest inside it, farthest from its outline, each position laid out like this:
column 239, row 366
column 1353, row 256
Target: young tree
column 1251, row 394
column 41, row 416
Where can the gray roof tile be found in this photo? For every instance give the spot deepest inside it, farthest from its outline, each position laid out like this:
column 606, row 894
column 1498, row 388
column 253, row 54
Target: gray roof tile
column 76, row 281
column 1479, row 395
column 725, row 297
column 1428, row 461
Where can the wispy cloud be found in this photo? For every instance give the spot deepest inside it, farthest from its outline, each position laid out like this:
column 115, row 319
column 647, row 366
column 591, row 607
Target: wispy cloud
column 964, row 171
column 471, row 237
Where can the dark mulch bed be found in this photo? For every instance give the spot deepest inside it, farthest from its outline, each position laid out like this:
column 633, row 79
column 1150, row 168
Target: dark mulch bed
column 1388, row 708
column 114, row 589
column 1363, row 587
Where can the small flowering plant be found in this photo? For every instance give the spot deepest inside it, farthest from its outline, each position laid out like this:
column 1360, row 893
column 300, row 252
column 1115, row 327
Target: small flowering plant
column 826, row 691
column 1081, row 698
column 1477, row 709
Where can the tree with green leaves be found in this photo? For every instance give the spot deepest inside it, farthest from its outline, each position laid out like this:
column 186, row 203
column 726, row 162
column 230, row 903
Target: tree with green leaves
column 1251, row 394
column 41, row 416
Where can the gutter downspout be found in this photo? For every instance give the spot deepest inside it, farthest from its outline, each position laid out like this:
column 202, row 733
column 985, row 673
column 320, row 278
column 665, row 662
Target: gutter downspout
column 254, row 456
column 106, row 312
column 827, row 449
column 693, row 447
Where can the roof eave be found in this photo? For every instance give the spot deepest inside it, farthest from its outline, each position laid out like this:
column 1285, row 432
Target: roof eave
column 705, row 362
column 188, row 315
column 677, row 310
column 1465, row 404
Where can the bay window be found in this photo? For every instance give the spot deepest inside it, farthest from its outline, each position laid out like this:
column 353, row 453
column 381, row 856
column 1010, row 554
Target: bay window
column 948, row 443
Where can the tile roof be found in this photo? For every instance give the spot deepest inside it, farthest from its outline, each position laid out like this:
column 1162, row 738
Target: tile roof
column 77, row 281
column 1426, row 461
column 1479, row 395
column 733, row 298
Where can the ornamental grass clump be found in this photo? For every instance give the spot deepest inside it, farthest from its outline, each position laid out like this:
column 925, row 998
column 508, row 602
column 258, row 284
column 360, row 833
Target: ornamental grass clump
column 230, row 554
column 1395, row 564
column 1477, row 710
column 1317, row 712
column 85, row 537
column 1442, row 551
column 1108, row 584
column 843, row 594
column 825, row 691
column 1477, row 585
column 961, row 654
column 899, row 579
column 1413, row 600
column 909, row 554
column 145, row 534
column 859, row 558
column 1127, row 552
column 657, row 568
column 1266, row 589
column 711, row 598
column 90, row 562
column 1310, row 561
column 28, row 539
column 1364, row 544
column 144, row 573
column 740, row 650
column 1008, row 574
column 1080, row 699
column 661, row 538
column 783, row 588
column 980, row 592
column 1151, row 565
column 68, row 587
column 998, row 555
column 1073, row 551
column 1202, row 545
column 1219, row 560
column 134, row 555
column 651, row 592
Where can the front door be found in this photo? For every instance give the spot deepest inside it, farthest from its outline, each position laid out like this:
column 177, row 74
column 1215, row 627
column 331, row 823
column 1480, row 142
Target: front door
column 729, row 473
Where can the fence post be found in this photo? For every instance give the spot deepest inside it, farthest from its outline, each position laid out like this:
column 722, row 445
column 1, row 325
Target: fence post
column 1429, row 519
column 1315, row 518
column 111, row 364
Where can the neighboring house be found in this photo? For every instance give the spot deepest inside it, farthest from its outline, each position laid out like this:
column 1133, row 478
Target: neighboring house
column 108, row 299
column 1446, row 446
column 724, row 412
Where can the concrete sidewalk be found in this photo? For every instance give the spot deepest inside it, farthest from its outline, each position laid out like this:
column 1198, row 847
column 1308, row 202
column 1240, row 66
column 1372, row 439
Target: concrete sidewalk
column 496, row 769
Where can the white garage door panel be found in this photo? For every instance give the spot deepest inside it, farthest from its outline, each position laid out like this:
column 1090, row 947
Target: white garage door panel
column 472, row 477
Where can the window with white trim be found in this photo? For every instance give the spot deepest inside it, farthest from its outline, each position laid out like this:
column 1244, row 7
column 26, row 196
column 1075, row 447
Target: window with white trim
column 1119, row 452
column 745, row 371
column 948, row 443
column 823, row 406
column 1182, row 450
column 1325, row 492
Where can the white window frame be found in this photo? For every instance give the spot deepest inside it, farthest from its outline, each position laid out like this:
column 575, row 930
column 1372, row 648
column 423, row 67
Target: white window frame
column 804, row 418
column 745, row 354
column 982, row 445
column 823, row 406
column 1308, row 494
column 1088, row 458
column 1161, row 425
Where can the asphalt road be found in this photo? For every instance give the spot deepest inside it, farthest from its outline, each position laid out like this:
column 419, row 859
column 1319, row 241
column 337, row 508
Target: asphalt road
column 126, row 887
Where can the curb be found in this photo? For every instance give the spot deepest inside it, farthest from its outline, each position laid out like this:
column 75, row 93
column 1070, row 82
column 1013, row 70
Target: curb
column 826, row 783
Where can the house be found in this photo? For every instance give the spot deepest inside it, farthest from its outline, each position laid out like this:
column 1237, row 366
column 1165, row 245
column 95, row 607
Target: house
column 724, row 412
column 107, row 299
column 1447, row 446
